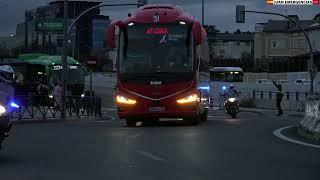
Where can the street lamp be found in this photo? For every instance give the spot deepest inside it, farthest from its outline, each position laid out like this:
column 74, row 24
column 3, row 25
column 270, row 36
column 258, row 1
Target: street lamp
column 240, row 18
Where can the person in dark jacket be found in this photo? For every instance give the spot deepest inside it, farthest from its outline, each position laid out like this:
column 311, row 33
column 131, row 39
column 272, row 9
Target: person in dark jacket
column 279, row 97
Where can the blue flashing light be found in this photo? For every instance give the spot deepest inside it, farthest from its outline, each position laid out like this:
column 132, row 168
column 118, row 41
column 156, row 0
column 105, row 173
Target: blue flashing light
column 204, row 88
column 224, row 87
column 14, row 105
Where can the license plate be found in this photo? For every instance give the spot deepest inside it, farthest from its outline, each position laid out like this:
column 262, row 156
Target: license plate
column 157, row 109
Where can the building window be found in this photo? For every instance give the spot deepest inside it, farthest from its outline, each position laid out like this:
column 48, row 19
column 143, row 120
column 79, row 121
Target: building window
column 274, row 44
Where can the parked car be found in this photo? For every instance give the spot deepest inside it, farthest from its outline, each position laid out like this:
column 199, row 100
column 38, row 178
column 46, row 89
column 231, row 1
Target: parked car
column 283, row 81
column 264, row 81
column 302, row 81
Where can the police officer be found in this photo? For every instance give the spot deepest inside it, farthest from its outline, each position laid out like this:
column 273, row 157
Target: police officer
column 279, row 97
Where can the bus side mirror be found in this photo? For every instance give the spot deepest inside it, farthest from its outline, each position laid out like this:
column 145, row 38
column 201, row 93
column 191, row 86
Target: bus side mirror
column 112, row 32
column 197, row 33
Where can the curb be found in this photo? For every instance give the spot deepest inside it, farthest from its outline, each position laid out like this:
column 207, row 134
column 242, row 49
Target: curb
column 263, row 111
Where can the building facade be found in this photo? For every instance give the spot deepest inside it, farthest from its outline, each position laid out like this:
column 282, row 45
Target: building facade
column 277, row 43
column 231, row 49
column 87, row 35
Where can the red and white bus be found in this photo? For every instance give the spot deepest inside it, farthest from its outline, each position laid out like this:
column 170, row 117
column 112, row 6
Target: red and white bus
column 162, row 65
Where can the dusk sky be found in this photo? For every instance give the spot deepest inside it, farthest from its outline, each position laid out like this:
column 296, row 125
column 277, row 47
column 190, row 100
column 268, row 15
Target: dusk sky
column 217, row 12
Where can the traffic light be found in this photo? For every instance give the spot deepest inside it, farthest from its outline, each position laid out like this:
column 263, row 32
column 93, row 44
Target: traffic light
column 240, row 14
column 142, row 3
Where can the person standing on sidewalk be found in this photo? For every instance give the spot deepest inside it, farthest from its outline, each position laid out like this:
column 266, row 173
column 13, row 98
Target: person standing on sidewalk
column 279, row 97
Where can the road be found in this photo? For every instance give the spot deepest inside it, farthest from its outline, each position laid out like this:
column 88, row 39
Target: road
column 220, row 148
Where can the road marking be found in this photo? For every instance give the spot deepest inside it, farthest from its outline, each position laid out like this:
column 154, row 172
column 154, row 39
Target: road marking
column 150, row 156
column 278, row 134
column 97, row 121
column 110, row 109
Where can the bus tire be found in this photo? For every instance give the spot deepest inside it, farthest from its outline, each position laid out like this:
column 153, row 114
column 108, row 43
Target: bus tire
column 131, row 123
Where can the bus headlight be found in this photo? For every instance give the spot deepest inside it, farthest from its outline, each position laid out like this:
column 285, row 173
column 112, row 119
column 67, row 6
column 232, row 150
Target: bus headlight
column 51, row 96
column 2, row 110
column 189, row 99
column 124, row 100
column 82, row 95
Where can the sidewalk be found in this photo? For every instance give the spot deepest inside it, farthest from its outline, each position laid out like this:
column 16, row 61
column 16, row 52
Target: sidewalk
column 273, row 112
column 57, row 119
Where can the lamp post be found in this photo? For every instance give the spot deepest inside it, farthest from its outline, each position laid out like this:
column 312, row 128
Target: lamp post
column 64, row 61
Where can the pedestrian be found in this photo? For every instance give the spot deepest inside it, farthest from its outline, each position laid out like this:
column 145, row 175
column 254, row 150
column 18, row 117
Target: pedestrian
column 279, row 97
column 57, row 94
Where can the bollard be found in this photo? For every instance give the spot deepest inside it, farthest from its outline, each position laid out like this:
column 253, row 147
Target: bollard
column 254, row 94
column 270, row 95
column 288, row 96
column 297, row 96
column 261, row 94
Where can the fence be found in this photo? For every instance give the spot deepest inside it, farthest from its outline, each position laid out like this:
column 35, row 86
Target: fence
column 293, row 101
column 44, row 107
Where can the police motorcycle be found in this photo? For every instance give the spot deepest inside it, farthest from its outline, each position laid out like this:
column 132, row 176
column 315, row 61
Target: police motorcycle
column 7, row 105
column 231, row 103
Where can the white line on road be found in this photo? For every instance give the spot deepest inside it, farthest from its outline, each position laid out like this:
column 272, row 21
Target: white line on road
column 150, row 156
column 278, row 134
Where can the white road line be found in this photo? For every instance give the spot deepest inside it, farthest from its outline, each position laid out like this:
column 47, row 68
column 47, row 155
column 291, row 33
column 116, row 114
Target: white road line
column 278, row 134
column 150, row 156
column 110, row 109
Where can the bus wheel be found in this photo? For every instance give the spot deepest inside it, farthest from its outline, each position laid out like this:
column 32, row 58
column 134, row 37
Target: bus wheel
column 131, row 123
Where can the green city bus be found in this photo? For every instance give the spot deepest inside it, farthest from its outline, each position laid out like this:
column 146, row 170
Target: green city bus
column 51, row 70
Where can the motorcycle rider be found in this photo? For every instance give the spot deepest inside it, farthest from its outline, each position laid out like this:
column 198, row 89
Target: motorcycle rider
column 232, row 91
column 6, row 95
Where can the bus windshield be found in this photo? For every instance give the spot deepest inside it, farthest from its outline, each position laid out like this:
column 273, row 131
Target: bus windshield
column 226, row 76
column 156, row 49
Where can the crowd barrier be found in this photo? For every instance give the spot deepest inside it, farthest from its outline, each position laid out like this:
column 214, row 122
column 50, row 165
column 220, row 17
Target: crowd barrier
column 46, row 107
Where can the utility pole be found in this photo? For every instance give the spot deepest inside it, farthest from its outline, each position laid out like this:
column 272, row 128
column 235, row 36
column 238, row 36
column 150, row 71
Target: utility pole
column 64, row 61
column 202, row 12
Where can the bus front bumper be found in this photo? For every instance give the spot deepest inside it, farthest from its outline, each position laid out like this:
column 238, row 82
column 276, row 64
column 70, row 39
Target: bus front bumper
column 190, row 112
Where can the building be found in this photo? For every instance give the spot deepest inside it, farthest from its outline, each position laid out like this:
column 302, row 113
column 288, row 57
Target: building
column 231, row 49
column 99, row 31
column 87, row 35
column 277, row 43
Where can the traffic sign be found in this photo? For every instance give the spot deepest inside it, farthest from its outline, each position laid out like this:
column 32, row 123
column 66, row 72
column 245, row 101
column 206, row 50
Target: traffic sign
column 49, row 25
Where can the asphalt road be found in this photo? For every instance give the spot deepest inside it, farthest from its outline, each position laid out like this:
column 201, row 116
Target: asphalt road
column 220, row 148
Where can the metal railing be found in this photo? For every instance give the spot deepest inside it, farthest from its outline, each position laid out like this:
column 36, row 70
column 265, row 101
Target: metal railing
column 45, row 107
column 298, row 96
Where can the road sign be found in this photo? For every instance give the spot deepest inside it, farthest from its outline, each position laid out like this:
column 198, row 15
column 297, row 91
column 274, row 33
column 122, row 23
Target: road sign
column 49, row 25
column 240, row 14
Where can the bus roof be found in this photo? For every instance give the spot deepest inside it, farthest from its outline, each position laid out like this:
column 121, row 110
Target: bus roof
column 27, row 57
column 51, row 60
column 220, row 69
column 167, row 13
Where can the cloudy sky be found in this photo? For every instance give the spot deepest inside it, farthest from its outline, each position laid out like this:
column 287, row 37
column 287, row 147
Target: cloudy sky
column 217, row 12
